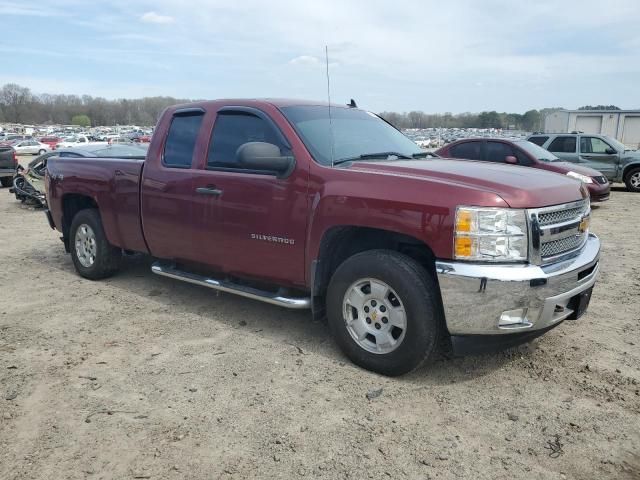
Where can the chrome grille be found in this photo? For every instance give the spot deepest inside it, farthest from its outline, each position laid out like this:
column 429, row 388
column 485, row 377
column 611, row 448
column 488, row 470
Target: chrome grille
column 560, row 216
column 556, row 230
column 557, row 247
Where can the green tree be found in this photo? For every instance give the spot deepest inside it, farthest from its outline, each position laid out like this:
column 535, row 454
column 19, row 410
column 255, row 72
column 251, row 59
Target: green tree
column 531, row 121
column 82, row 120
column 490, row 120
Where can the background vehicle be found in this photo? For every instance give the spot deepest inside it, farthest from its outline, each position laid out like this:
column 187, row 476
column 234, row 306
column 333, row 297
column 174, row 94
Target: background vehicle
column 29, row 147
column 527, row 154
column 265, row 200
column 8, row 164
column 600, row 152
column 77, row 141
column 51, row 141
column 11, row 137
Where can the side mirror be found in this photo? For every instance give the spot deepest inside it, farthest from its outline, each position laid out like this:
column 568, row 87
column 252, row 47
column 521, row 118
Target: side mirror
column 610, row 151
column 264, row 156
column 511, row 159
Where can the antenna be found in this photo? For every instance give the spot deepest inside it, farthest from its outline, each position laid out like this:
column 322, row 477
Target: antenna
column 326, row 56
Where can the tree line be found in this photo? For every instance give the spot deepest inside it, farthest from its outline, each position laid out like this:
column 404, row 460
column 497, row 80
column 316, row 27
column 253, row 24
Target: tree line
column 530, row 121
column 19, row 105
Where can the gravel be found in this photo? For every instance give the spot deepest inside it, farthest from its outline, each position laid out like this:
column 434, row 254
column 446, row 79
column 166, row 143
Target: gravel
column 139, row 376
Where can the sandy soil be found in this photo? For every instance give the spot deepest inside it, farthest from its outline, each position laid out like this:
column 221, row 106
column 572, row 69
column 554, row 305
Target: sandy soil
column 144, row 377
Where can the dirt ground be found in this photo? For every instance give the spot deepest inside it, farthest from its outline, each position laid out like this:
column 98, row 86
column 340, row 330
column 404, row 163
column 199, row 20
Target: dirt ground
column 140, row 376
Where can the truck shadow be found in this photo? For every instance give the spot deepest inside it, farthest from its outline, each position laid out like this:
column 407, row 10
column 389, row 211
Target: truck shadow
column 277, row 324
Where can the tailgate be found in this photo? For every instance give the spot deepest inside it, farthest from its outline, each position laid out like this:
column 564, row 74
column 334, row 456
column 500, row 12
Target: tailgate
column 6, row 158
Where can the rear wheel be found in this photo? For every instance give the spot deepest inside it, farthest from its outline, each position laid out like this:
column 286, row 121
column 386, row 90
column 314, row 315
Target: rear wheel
column 93, row 256
column 42, row 152
column 632, row 180
column 6, row 181
column 384, row 311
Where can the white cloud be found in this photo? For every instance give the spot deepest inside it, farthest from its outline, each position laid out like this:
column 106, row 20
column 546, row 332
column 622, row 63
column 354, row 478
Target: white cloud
column 153, row 17
column 305, row 60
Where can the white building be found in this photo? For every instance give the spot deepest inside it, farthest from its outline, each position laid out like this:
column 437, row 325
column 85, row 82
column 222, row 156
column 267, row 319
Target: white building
column 624, row 125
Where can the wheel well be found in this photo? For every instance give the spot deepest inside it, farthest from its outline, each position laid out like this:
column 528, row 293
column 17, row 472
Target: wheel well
column 628, row 169
column 72, row 204
column 340, row 243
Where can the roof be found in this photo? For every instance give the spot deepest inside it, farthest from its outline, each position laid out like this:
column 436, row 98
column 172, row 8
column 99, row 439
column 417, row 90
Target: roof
column 276, row 102
column 597, row 111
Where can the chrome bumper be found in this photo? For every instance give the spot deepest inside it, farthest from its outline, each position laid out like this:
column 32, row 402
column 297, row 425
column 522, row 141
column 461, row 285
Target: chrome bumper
column 475, row 296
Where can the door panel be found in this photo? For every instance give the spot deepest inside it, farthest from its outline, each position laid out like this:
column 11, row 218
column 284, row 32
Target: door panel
column 593, row 154
column 255, row 223
column 254, row 227
column 167, row 192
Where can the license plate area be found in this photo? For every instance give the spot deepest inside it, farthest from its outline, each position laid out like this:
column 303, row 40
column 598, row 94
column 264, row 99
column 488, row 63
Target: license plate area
column 579, row 304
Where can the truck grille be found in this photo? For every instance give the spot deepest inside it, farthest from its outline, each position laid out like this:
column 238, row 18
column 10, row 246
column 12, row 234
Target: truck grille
column 559, row 216
column 558, row 230
column 557, row 247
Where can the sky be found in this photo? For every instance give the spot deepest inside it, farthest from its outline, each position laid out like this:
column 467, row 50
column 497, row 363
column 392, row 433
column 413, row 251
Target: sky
column 436, row 56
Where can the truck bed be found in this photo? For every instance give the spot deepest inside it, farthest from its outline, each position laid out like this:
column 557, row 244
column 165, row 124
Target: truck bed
column 113, row 183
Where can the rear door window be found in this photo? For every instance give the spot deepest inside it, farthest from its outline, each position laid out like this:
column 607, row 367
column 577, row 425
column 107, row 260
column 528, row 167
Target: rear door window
column 563, row 145
column 498, row 151
column 468, row 150
column 181, row 140
column 538, row 140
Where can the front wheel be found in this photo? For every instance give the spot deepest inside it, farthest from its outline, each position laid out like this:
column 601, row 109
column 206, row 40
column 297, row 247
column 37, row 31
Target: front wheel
column 384, row 311
column 42, row 151
column 632, row 180
column 92, row 254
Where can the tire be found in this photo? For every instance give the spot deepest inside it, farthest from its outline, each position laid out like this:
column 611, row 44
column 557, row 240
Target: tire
column 410, row 289
column 632, row 180
column 41, row 152
column 6, row 181
column 93, row 256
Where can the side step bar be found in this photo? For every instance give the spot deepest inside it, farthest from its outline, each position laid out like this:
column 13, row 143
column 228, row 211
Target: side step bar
column 167, row 270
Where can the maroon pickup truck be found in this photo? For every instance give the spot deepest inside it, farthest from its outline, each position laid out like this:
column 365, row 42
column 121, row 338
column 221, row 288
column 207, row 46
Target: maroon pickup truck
column 332, row 209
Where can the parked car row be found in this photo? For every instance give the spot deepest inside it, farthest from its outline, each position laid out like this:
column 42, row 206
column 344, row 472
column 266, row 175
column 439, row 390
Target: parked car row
column 527, row 154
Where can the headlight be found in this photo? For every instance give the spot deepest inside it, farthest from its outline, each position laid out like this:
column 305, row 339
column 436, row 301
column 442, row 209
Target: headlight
column 579, row 176
column 490, row 234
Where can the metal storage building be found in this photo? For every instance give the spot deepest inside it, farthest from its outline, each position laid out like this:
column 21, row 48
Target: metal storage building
column 624, row 125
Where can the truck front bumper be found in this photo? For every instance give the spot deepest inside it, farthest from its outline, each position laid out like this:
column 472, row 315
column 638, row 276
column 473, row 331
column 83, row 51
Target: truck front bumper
column 490, row 299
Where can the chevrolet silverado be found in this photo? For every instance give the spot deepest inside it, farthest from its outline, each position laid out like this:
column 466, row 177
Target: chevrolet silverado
column 330, row 208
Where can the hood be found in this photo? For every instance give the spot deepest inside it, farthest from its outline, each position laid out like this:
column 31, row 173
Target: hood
column 564, row 167
column 630, row 156
column 519, row 187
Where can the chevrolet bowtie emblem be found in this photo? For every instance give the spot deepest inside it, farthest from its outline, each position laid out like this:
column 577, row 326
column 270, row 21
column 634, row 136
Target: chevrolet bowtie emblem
column 374, row 315
column 584, row 225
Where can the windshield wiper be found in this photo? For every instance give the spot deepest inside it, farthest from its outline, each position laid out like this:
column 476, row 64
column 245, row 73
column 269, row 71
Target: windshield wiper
column 371, row 156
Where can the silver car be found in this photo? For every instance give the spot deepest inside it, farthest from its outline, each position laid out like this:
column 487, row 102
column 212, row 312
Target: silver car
column 33, row 147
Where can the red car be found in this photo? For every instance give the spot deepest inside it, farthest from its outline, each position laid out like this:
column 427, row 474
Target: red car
column 527, row 154
column 51, row 141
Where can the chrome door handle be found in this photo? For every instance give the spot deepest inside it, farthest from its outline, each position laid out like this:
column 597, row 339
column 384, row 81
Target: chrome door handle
column 209, row 191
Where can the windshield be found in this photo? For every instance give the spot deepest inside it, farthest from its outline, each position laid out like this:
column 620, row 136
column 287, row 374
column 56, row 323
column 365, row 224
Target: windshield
column 355, row 133
column 537, row 151
column 616, row 144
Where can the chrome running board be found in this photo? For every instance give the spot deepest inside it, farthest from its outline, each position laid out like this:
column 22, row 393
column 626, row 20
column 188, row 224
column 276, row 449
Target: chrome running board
column 167, row 270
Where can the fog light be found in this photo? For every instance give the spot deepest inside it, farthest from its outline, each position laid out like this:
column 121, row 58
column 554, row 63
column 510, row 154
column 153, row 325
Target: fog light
column 513, row 318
